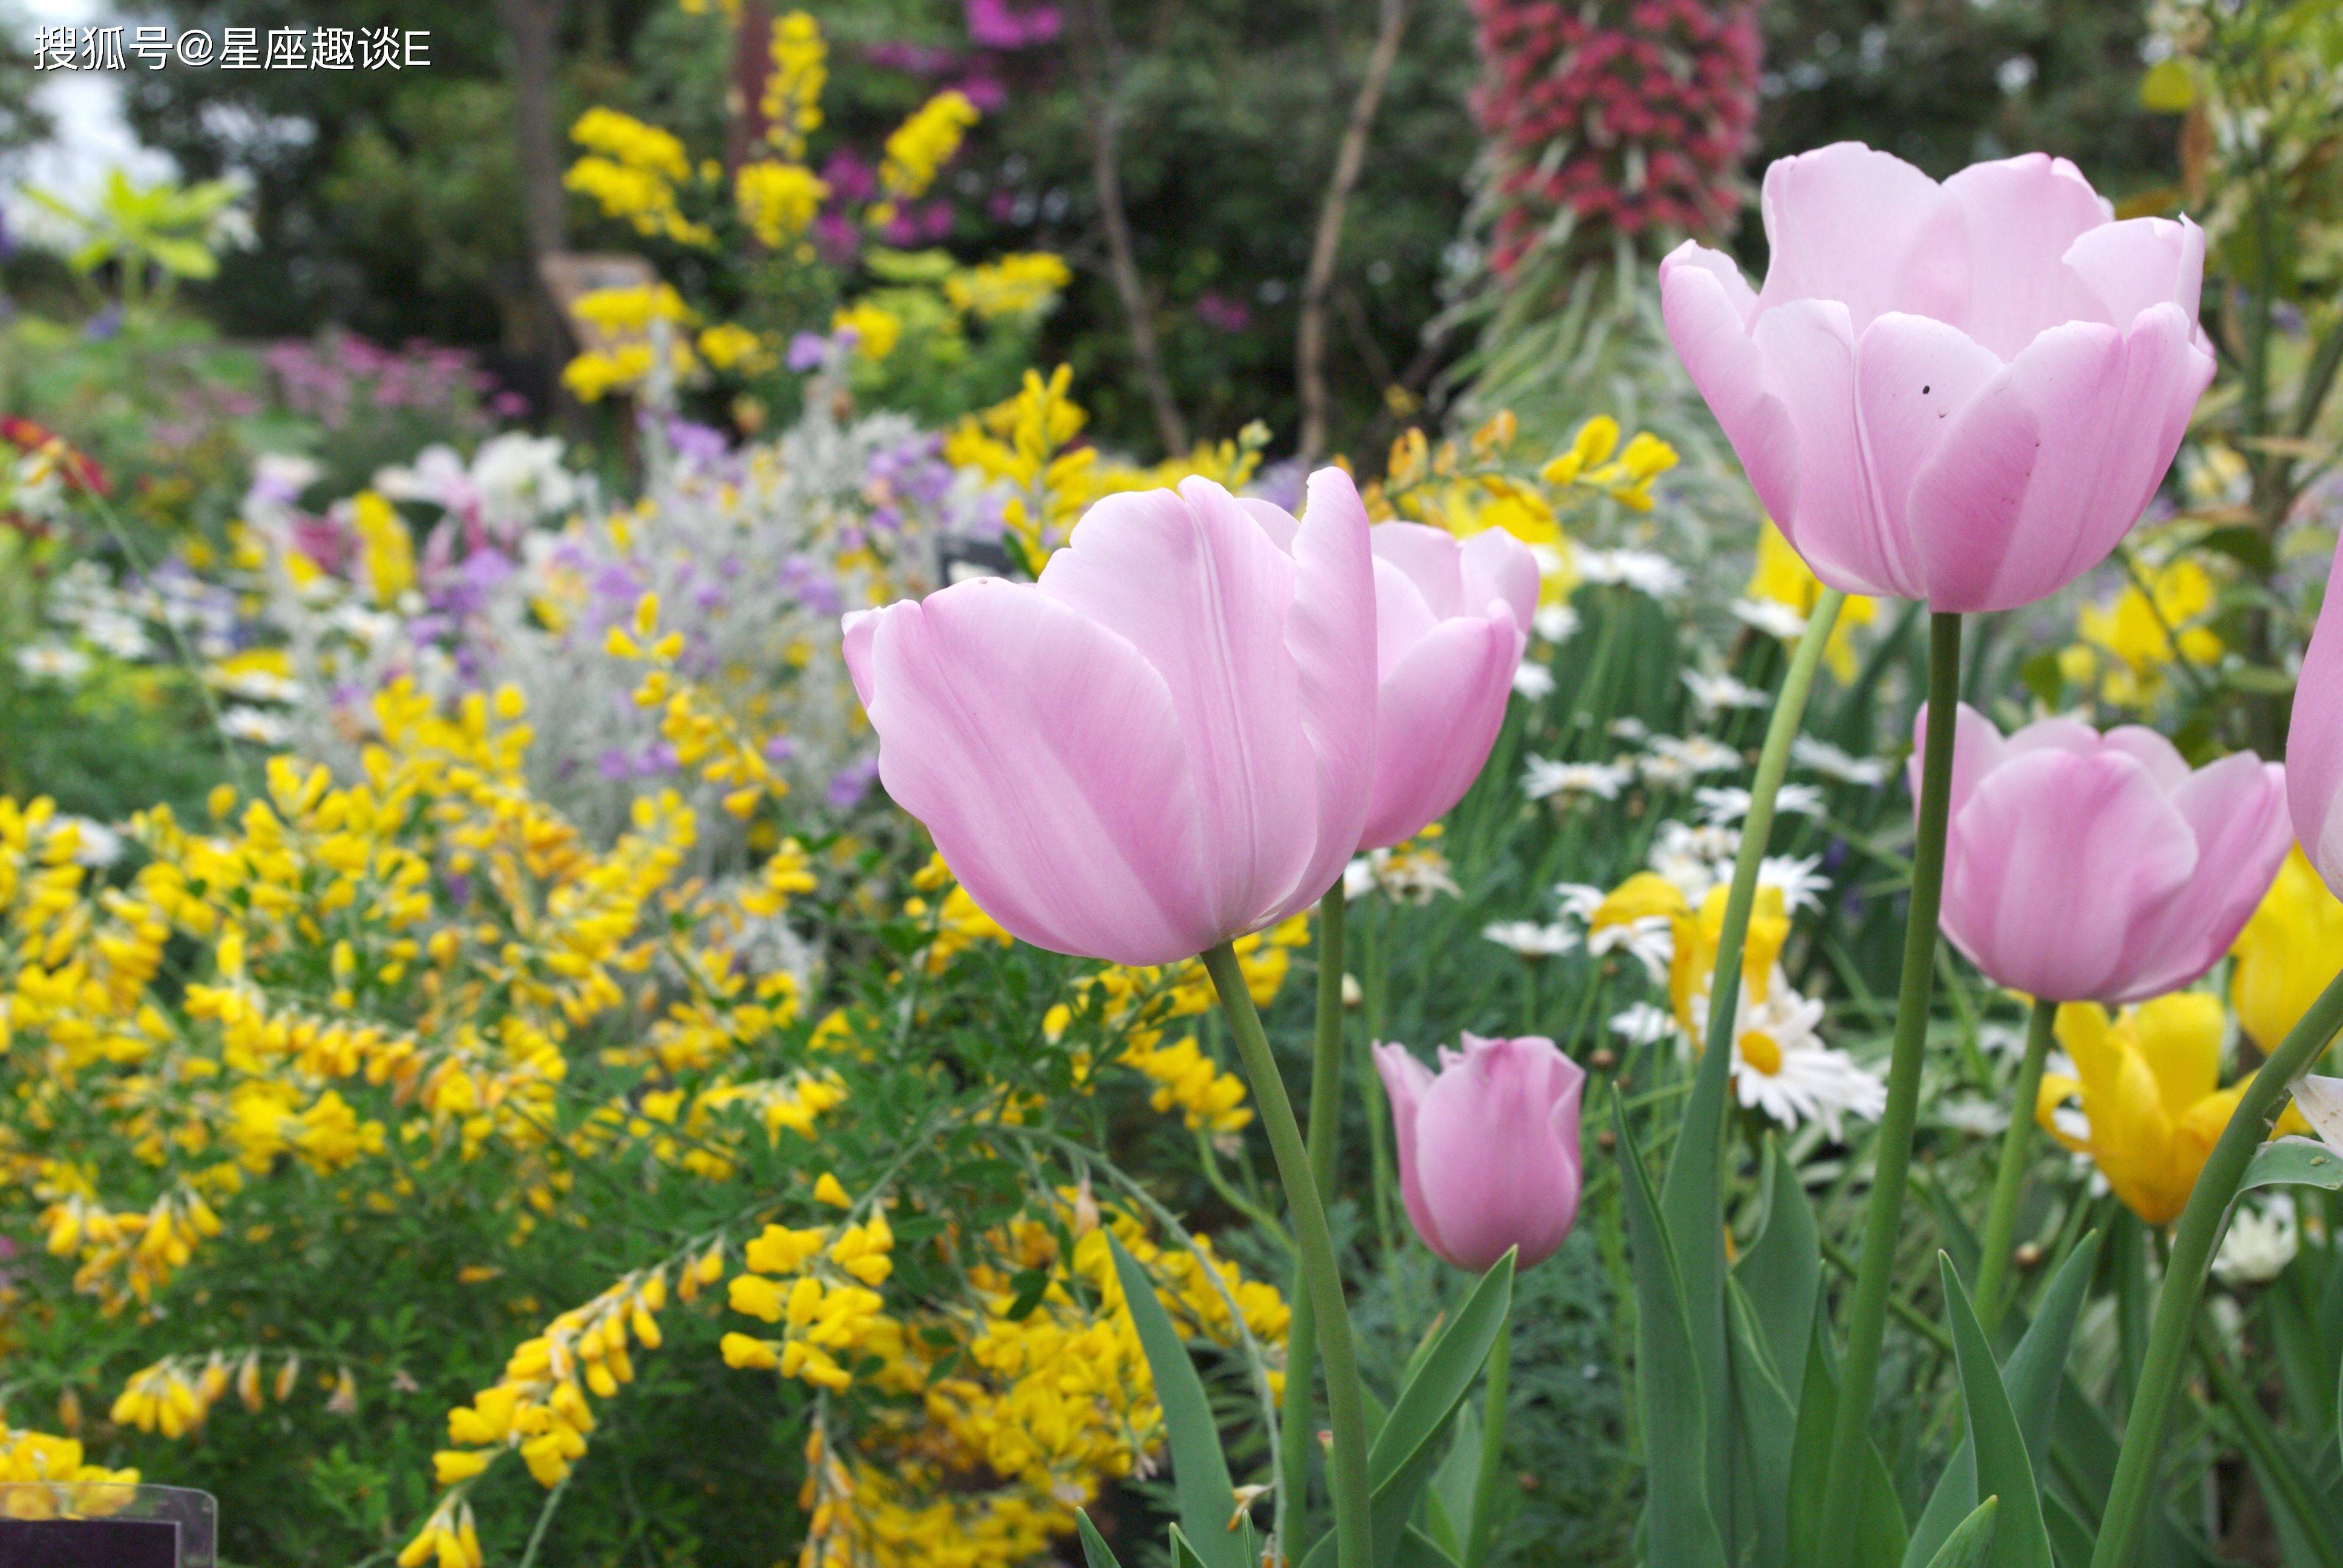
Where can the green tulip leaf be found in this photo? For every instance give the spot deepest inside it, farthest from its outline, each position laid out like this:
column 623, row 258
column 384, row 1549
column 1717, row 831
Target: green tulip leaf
column 1782, row 1272
column 1970, row 1541
column 1879, row 1532
column 1200, row 1472
column 1443, row 1375
column 2294, row 1163
column 2004, row 1467
column 1096, row 1552
column 1183, row 1554
column 1769, row 1425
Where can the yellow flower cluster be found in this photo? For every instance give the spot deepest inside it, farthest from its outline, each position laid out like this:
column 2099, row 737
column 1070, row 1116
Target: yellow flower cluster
column 2125, row 650
column 704, row 736
column 632, row 171
column 778, row 200
column 791, row 104
column 1479, row 484
column 45, row 1477
column 918, row 149
column 817, row 1284
column 174, row 1397
column 1019, row 284
column 876, row 329
column 128, row 1255
column 386, row 548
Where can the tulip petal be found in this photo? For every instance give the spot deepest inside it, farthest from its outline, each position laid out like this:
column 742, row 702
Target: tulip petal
column 1847, row 223
column 1499, row 566
column 1405, row 1082
column 1705, row 304
column 1809, row 353
column 2152, row 751
column 1042, row 753
column 2024, row 214
column 2237, row 809
column 1977, row 749
column 1491, row 1166
column 859, row 626
column 1911, row 376
column 2320, row 1101
column 2141, row 263
column 1431, row 558
column 2314, row 742
column 1438, row 713
column 1203, row 592
column 2054, row 865
column 2053, row 461
column 1331, row 641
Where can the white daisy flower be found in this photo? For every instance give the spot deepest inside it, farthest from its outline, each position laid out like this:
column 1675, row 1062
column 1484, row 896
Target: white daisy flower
column 1729, row 805
column 1699, row 753
column 1643, row 1024
column 1771, row 616
column 1782, row 1068
column 1694, row 858
column 1798, row 877
column 260, row 685
column 1578, row 900
column 1667, row 771
column 52, row 661
column 1411, row 873
column 1554, row 622
column 1532, row 681
column 1649, row 939
column 1529, row 940
column 1978, row 1118
column 1631, row 729
column 1642, row 570
column 118, row 634
column 256, row 725
column 1715, row 693
column 1542, row 778
column 2262, row 1240
column 1832, row 762
column 2321, row 1103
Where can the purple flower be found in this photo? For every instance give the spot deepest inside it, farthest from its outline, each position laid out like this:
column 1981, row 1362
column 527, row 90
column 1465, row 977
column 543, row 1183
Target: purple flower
column 808, row 351
column 852, row 782
column 1222, row 313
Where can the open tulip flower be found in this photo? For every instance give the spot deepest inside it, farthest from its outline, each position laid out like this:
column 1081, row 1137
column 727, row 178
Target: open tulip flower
column 2082, row 867
column 2314, row 741
column 1963, row 393
column 1488, row 1147
column 2147, row 1083
column 1167, row 741
column 1452, row 617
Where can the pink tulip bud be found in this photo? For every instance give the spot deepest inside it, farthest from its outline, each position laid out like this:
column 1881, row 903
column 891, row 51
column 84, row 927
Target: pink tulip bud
column 1963, row 393
column 2082, row 867
column 1167, row 741
column 1488, row 1147
column 2314, row 743
column 1452, row 617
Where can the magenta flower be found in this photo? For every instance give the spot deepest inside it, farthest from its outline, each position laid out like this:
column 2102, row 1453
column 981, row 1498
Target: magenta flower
column 1452, row 617
column 1166, row 742
column 2314, row 742
column 1963, row 393
column 1488, row 1147
column 2083, row 866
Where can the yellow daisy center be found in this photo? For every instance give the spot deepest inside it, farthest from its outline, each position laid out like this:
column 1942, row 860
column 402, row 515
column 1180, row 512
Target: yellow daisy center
column 1758, row 1051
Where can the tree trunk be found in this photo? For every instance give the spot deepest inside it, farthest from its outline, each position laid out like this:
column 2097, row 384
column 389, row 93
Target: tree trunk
column 1093, row 53
column 1310, row 341
column 531, row 26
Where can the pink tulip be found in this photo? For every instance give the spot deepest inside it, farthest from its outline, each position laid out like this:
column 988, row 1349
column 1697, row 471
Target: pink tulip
column 1963, row 393
column 2083, row 866
column 1167, row 741
column 2314, row 742
column 1488, row 1147
column 1452, row 617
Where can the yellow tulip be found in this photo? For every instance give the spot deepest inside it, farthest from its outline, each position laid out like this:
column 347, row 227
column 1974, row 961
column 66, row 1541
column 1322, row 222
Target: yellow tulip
column 2287, row 953
column 2148, row 1083
column 1781, row 577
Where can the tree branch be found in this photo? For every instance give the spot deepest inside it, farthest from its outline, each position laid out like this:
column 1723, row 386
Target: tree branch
column 1309, row 342
column 1093, row 53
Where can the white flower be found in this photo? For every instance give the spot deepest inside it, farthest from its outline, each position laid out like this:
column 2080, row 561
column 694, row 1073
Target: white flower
column 1771, row 616
column 2320, row 1101
column 1729, row 804
column 1978, row 1118
column 260, row 685
column 1698, row 753
column 1530, row 940
column 1649, row 939
column 2262, row 1240
column 95, row 843
column 1715, row 693
column 1798, row 878
column 1830, row 761
column 118, row 634
column 2001, row 1039
column 1554, row 622
column 1643, row 1024
column 1694, row 859
column 1411, row 872
column 1542, row 778
column 1781, row 1066
column 1664, row 769
column 256, row 725
column 2066, row 1117
column 1639, row 569
column 50, row 661
column 1532, row 681
column 1631, row 729
column 1578, row 900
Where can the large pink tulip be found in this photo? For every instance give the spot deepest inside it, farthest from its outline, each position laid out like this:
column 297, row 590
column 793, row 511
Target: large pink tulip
column 1167, row 741
column 1963, row 393
column 2083, row 866
column 1488, row 1147
column 1452, row 617
column 2314, row 742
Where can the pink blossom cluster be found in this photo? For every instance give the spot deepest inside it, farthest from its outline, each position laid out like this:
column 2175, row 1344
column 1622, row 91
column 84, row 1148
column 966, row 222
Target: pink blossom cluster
column 1629, row 118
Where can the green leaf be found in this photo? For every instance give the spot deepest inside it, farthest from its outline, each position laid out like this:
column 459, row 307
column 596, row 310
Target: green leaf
column 2004, row 1469
column 1880, row 1537
column 1095, row 1550
column 1443, row 1375
column 2033, row 1376
column 1692, row 1201
column 1680, row 1528
column 2294, row 1163
column 2072, row 1538
column 1971, row 1539
column 1769, row 1425
column 1417, row 1550
column 1200, row 1473
column 1782, row 1272
column 1185, row 1555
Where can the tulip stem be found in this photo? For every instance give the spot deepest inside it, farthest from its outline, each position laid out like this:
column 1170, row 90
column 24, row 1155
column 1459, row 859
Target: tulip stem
column 2194, row 1242
column 1325, row 1136
column 2009, row 1180
column 1321, row 1276
column 1492, row 1450
column 1866, row 1322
